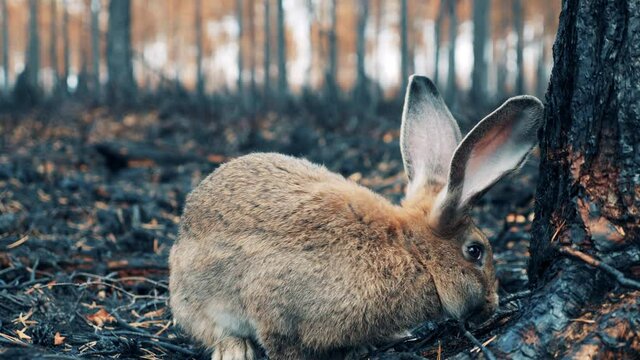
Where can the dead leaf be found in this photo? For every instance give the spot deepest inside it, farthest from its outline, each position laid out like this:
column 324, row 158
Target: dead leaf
column 58, row 339
column 22, row 335
column 101, row 317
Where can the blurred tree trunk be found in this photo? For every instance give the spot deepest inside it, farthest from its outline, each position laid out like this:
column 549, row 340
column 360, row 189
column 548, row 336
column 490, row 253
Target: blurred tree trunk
column 53, row 45
column 332, row 70
column 283, row 90
column 481, row 12
column 121, row 87
column 199, row 74
column 502, row 49
column 451, row 90
column 311, row 17
column 361, row 93
column 437, row 41
column 65, row 46
column 380, row 10
column 541, row 69
column 588, row 195
column 95, row 47
column 239, row 18
column 518, row 24
column 4, row 12
column 404, row 47
column 267, row 51
column 252, row 44
column 32, row 68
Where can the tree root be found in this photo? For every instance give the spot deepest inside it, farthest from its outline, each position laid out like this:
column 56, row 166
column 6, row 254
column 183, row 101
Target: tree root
column 588, row 259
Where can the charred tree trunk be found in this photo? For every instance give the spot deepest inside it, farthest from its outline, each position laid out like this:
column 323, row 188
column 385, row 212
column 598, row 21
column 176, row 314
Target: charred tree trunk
column 404, row 46
column 479, row 79
column 199, row 74
column 518, row 25
column 267, row 51
column 332, row 70
column 311, row 18
column 283, row 89
column 95, row 47
column 4, row 13
column 53, row 45
column 437, row 41
column 65, row 46
column 451, row 90
column 239, row 18
column 121, row 87
column 26, row 91
column 588, row 197
column 252, row 55
column 362, row 83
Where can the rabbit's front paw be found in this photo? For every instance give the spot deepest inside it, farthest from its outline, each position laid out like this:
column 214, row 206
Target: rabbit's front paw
column 233, row 348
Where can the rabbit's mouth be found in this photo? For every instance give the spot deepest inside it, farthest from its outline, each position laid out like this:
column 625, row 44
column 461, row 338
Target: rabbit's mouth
column 483, row 312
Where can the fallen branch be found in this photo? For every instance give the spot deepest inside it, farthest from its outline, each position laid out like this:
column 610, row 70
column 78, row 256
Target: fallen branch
column 590, row 260
column 487, row 353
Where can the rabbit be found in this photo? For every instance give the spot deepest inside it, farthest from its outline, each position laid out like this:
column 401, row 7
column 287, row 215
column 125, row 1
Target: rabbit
column 278, row 253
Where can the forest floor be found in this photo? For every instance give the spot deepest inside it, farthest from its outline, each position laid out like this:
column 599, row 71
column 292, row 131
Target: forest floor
column 90, row 204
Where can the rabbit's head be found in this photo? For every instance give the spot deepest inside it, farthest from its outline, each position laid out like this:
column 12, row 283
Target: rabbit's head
column 447, row 175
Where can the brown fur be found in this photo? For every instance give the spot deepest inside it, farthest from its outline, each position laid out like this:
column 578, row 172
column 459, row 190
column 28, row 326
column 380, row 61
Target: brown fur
column 311, row 260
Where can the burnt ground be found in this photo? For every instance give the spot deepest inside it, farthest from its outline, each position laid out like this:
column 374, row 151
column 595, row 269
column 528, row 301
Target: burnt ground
column 90, row 204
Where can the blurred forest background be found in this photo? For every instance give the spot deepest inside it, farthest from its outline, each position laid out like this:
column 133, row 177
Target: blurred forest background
column 264, row 54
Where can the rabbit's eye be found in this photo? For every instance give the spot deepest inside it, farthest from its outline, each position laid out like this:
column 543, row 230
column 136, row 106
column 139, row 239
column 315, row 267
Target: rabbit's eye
column 475, row 252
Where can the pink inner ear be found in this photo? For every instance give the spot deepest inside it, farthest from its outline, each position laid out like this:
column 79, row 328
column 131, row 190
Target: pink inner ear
column 488, row 146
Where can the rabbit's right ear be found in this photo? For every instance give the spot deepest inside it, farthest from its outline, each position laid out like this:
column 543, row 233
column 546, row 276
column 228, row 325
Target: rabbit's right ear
column 429, row 135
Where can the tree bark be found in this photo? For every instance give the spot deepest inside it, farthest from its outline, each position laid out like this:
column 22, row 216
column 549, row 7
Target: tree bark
column 267, row 50
column 361, row 93
column 404, row 46
column 451, row 90
column 95, row 47
column 518, row 25
column 437, row 41
column 4, row 12
column 53, row 45
column 283, row 89
column 199, row 74
column 32, row 68
column 588, row 197
column 66, row 58
column 121, row 87
column 481, row 12
column 239, row 18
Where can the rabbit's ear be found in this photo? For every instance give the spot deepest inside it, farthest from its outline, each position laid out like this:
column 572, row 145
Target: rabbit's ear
column 429, row 134
column 496, row 146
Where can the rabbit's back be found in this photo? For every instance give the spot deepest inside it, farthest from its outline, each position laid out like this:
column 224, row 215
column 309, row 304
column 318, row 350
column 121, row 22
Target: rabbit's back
column 263, row 192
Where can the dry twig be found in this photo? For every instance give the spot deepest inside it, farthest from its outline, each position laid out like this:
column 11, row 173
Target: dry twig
column 590, row 260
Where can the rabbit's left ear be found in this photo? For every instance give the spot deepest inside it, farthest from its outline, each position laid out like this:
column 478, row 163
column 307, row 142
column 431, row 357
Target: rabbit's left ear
column 429, row 135
column 496, row 146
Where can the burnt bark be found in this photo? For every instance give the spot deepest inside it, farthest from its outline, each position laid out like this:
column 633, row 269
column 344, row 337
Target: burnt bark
column 4, row 13
column 121, row 87
column 588, row 197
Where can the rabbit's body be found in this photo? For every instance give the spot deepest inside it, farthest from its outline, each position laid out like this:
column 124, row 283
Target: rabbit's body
column 254, row 227
column 279, row 252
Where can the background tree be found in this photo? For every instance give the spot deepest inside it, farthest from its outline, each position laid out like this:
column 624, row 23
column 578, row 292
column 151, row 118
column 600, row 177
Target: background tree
column 362, row 83
column 283, row 88
column 437, row 32
column 587, row 200
column 121, row 87
column 32, row 67
column 239, row 18
column 95, row 47
column 4, row 13
column 66, row 46
column 53, row 44
column 479, row 79
column 451, row 90
column 404, row 45
column 518, row 25
column 267, row 50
